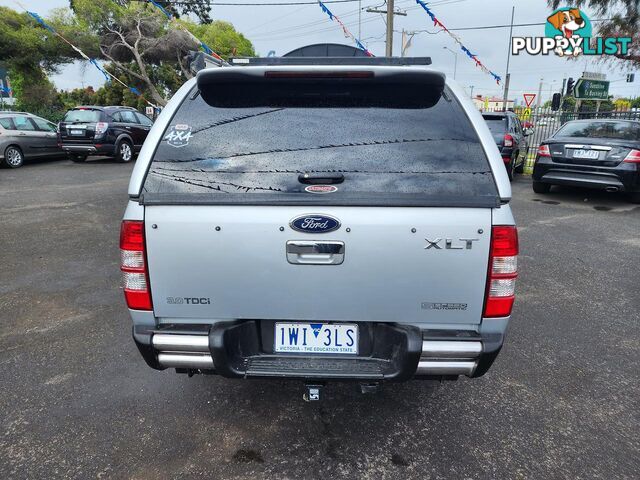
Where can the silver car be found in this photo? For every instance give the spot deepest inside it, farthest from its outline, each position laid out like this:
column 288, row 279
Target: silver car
column 320, row 221
column 25, row 136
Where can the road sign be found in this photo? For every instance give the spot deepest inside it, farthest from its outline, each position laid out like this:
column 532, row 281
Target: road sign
column 594, row 76
column 526, row 114
column 529, row 98
column 591, row 89
column 148, row 111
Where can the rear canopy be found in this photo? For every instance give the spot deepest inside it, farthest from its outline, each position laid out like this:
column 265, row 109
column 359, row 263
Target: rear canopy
column 390, row 136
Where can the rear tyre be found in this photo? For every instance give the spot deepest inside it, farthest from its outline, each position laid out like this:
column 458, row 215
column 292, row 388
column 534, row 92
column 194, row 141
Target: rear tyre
column 510, row 169
column 520, row 168
column 634, row 197
column 13, row 157
column 540, row 187
column 125, row 152
column 76, row 158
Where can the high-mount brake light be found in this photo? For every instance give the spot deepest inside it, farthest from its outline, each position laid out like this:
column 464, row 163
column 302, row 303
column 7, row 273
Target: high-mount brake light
column 133, row 263
column 633, row 157
column 508, row 140
column 543, row 151
column 290, row 74
column 503, row 271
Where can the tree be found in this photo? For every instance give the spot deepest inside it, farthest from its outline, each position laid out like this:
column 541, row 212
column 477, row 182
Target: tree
column 624, row 21
column 142, row 48
column 200, row 8
column 139, row 40
column 622, row 104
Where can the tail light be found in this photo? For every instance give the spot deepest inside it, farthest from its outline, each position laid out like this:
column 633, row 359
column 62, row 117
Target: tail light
column 508, row 140
column 133, row 263
column 633, row 157
column 101, row 128
column 503, row 270
column 543, row 151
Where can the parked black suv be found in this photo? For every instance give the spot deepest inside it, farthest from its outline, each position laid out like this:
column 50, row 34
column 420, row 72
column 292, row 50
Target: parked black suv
column 510, row 138
column 110, row 131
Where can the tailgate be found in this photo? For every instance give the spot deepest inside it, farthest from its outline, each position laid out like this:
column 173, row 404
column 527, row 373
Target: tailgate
column 388, row 273
column 77, row 133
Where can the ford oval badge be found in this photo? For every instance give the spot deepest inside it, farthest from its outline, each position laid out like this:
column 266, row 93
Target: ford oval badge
column 315, row 223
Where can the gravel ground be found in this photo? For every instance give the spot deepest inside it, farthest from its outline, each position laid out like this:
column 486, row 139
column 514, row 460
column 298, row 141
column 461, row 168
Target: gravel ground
column 77, row 401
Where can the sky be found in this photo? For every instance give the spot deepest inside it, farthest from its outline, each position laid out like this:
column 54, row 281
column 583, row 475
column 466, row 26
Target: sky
column 284, row 28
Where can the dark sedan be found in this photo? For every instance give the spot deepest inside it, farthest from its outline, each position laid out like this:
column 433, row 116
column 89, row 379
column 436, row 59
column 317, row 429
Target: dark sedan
column 602, row 154
column 510, row 137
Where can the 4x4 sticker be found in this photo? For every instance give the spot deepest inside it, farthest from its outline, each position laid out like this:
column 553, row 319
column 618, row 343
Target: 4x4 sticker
column 321, row 189
column 179, row 135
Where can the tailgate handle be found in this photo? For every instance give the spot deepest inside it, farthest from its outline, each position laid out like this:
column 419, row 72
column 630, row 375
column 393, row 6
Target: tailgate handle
column 315, row 252
column 321, row 178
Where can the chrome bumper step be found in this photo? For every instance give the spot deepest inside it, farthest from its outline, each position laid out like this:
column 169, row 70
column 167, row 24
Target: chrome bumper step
column 183, row 351
column 446, row 357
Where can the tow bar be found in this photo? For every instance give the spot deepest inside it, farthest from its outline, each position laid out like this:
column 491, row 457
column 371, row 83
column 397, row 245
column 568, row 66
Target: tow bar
column 313, row 392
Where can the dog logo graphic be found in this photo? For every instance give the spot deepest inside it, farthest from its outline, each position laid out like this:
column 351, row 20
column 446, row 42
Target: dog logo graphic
column 569, row 23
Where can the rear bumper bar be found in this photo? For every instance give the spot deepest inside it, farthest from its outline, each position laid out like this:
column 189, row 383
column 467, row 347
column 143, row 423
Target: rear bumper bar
column 387, row 352
column 89, row 149
column 624, row 177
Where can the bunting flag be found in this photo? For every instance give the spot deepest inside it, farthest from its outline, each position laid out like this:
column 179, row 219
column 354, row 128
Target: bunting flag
column 109, row 76
column 172, row 19
column 345, row 30
column 467, row 52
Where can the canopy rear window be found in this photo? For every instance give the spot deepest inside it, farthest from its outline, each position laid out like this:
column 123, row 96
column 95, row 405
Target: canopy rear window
column 385, row 153
column 82, row 116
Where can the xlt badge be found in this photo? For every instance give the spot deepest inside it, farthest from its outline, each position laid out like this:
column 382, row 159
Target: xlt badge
column 449, row 244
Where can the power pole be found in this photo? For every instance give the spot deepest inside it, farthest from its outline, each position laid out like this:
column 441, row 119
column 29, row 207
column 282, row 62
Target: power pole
column 508, row 76
column 506, row 92
column 389, row 49
column 390, row 13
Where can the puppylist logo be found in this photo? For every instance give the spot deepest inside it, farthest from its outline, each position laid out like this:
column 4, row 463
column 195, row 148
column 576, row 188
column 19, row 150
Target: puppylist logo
column 568, row 32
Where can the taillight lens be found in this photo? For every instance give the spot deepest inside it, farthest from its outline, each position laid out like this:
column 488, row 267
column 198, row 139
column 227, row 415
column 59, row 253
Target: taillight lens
column 508, row 140
column 503, row 271
column 133, row 263
column 633, row 157
column 101, row 128
column 543, row 151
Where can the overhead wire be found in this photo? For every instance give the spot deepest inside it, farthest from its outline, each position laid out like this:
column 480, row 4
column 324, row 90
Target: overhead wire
column 268, row 35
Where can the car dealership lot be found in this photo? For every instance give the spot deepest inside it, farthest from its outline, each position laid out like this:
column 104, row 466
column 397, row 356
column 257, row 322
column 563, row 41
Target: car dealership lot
column 77, row 400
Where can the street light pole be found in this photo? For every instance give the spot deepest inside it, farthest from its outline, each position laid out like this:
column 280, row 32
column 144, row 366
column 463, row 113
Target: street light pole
column 455, row 61
column 507, row 77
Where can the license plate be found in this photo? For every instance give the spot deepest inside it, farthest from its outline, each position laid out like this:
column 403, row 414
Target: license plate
column 76, row 132
column 590, row 154
column 316, row 338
